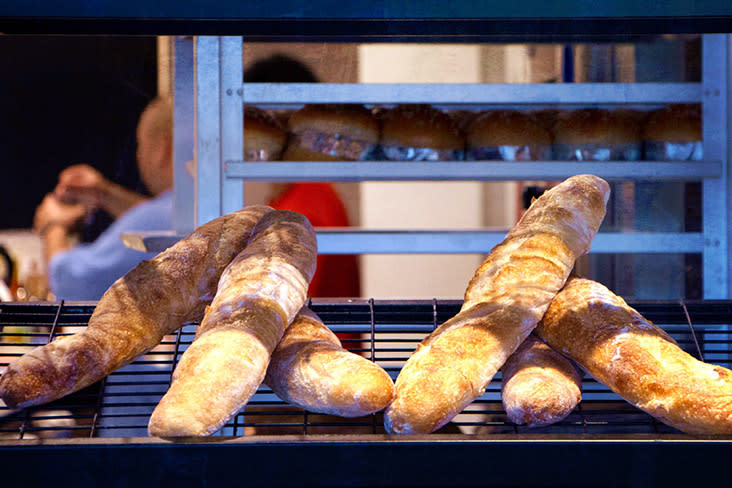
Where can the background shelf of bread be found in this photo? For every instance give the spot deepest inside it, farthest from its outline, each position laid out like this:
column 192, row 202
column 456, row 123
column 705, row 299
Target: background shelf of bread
column 643, row 138
column 429, row 133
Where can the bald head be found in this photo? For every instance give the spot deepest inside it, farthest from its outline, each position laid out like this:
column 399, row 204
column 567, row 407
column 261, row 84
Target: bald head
column 155, row 146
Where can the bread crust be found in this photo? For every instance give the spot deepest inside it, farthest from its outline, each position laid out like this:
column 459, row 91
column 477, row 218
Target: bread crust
column 258, row 296
column 310, row 369
column 597, row 126
column 504, row 301
column 675, row 123
column 539, row 386
column 263, row 135
column 421, row 126
column 637, row 360
column 354, row 121
column 507, row 128
column 154, row 299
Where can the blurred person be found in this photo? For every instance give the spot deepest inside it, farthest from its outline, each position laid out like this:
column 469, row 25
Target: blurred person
column 84, row 271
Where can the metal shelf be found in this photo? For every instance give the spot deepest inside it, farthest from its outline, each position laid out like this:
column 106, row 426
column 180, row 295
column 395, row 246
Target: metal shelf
column 469, row 170
column 370, row 241
column 474, row 94
column 220, row 94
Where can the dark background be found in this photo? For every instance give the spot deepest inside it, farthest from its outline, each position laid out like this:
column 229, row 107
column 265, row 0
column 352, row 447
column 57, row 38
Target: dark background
column 67, row 100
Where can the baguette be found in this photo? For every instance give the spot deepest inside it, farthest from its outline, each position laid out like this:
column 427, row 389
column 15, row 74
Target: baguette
column 258, row 296
column 637, row 360
column 503, row 303
column 310, row 369
column 153, row 299
column 540, row 386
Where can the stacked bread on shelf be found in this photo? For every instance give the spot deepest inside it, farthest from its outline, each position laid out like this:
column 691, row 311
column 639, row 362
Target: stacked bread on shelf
column 508, row 135
column 264, row 136
column 420, row 132
column 331, row 132
column 595, row 134
column 673, row 133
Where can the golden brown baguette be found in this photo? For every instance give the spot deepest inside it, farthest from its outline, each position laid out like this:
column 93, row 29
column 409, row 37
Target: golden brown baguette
column 503, row 303
column 154, row 299
column 539, row 386
column 312, row 370
column 258, row 296
column 637, row 360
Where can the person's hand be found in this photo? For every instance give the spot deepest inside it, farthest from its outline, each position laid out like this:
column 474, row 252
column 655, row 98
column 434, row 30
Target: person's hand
column 82, row 184
column 53, row 212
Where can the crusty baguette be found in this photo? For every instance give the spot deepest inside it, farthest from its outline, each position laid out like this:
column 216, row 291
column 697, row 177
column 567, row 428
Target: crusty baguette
column 637, row 360
column 539, row 386
column 258, row 296
column 154, row 299
column 503, row 303
column 312, row 370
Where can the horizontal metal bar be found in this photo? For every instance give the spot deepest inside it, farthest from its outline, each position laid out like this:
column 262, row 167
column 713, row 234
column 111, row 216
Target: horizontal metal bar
column 468, row 170
column 469, row 93
column 368, row 241
column 338, row 241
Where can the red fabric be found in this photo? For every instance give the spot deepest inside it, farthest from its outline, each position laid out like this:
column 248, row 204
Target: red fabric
column 337, row 275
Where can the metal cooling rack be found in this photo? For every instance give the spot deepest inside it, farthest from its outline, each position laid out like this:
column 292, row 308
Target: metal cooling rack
column 99, row 435
column 384, row 331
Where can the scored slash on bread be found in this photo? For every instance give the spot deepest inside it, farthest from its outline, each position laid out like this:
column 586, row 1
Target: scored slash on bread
column 152, row 300
column 310, row 369
column 637, row 360
column 258, row 296
column 504, row 301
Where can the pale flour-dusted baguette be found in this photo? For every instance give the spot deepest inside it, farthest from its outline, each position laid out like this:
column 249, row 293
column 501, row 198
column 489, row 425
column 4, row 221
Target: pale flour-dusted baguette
column 503, row 303
column 312, row 370
column 258, row 296
column 637, row 360
column 539, row 385
column 153, row 299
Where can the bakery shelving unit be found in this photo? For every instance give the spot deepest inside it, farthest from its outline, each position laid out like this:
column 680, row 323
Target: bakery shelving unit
column 208, row 70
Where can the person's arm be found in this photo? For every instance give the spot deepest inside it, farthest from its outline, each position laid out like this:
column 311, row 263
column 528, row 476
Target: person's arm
column 83, row 184
column 87, row 270
column 55, row 222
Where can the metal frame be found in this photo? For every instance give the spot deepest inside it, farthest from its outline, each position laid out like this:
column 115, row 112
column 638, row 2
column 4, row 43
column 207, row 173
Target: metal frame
column 219, row 93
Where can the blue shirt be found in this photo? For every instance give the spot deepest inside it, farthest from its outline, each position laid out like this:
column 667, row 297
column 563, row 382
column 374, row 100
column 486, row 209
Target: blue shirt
column 87, row 270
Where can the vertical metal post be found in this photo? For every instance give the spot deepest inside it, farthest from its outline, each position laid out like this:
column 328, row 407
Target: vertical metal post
column 207, row 87
column 219, row 136
column 715, row 191
column 232, row 124
column 183, row 127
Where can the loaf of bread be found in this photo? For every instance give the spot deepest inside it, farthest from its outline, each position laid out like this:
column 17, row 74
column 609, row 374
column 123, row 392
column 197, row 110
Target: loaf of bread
column 420, row 126
column 264, row 137
column 507, row 128
column 539, row 386
column 331, row 132
column 637, row 360
column 674, row 123
column 258, row 296
column 312, row 370
column 154, row 299
column 597, row 126
column 504, row 301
